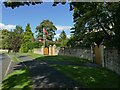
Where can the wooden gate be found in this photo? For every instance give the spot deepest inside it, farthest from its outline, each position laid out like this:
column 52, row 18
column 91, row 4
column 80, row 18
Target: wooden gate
column 97, row 55
column 46, row 51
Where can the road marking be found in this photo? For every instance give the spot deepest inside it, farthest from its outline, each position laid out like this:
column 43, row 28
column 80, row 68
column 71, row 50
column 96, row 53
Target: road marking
column 8, row 66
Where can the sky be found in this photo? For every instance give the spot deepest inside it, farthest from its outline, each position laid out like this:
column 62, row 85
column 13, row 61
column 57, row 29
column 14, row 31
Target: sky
column 60, row 15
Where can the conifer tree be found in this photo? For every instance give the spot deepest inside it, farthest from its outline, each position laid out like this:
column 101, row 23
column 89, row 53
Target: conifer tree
column 28, row 39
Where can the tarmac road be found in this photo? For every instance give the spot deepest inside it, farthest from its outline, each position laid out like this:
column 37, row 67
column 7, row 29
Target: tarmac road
column 6, row 65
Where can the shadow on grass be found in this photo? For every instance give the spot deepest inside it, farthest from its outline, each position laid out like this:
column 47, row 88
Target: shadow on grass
column 45, row 76
column 91, row 77
column 22, row 56
column 17, row 80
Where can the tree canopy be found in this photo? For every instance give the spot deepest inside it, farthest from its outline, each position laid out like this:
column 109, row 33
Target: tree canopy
column 50, row 29
column 93, row 22
column 63, row 39
column 10, row 3
column 99, row 21
column 3, row 38
column 27, row 40
column 12, row 39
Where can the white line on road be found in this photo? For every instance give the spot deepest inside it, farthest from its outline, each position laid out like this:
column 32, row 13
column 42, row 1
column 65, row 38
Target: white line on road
column 8, row 67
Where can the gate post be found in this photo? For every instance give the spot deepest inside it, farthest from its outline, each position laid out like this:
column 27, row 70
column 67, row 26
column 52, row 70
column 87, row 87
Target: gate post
column 42, row 50
column 50, row 50
column 54, row 47
column 102, row 55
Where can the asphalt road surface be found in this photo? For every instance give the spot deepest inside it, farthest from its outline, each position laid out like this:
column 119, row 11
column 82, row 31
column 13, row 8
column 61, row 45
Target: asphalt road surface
column 6, row 66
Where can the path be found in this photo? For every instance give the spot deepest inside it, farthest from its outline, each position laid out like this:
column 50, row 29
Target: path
column 44, row 76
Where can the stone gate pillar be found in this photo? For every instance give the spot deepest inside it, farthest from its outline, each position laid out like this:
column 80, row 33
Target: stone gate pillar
column 50, row 50
column 42, row 50
column 54, row 52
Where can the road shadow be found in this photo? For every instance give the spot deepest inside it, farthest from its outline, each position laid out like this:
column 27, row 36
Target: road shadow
column 22, row 56
column 45, row 76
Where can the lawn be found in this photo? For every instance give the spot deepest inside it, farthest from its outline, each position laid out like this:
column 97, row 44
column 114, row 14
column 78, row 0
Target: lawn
column 61, row 58
column 30, row 54
column 91, row 77
column 18, row 80
column 87, row 76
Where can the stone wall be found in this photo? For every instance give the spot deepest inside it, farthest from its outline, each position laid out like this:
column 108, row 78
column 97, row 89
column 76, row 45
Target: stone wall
column 81, row 52
column 3, row 50
column 38, row 50
column 56, row 50
column 52, row 50
column 112, row 60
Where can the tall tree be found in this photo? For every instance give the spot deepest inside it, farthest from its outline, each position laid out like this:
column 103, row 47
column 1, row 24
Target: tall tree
column 62, row 36
column 4, row 38
column 96, row 17
column 50, row 29
column 93, row 16
column 15, row 38
column 12, row 39
column 28, row 38
column 63, row 39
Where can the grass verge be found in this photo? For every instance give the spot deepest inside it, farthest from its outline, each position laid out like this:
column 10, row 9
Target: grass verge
column 91, row 77
column 61, row 58
column 18, row 80
column 13, row 57
column 31, row 55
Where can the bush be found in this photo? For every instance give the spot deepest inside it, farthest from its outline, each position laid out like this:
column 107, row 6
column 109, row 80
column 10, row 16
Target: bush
column 24, row 48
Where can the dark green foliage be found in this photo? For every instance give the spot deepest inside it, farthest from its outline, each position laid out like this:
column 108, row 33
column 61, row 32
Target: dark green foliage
column 13, row 4
column 50, row 28
column 62, row 36
column 4, row 38
column 18, row 3
column 12, row 39
column 28, row 39
column 96, row 22
column 16, row 38
column 91, row 17
column 63, row 39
